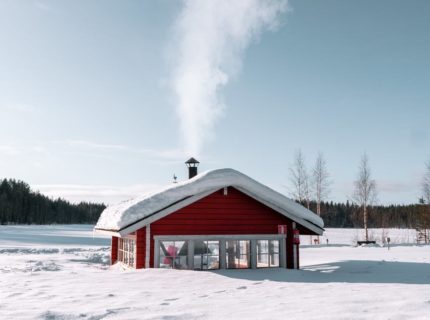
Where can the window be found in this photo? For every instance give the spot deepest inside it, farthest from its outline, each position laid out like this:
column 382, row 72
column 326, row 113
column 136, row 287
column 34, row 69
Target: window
column 126, row 251
column 238, row 254
column 267, row 253
column 206, row 255
column 211, row 252
column 174, row 254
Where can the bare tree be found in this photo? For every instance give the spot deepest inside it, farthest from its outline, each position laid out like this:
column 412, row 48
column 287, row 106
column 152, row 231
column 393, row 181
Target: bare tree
column 307, row 190
column 426, row 184
column 365, row 189
column 299, row 179
column 321, row 181
column 423, row 226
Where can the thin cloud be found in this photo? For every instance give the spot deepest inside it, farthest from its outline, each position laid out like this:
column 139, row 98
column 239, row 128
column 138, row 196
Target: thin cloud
column 8, row 150
column 93, row 145
column 18, row 107
column 43, row 6
column 94, row 193
column 15, row 150
column 166, row 154
column 95, row 149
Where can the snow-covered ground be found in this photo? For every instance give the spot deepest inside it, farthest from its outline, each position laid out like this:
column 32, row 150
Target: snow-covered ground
column 337, row 236
column 62, row 272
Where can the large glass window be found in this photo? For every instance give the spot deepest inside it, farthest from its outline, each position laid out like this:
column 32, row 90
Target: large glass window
column 238, row 254
column 206, row 255
column 174, row 254
column 267, row 253
column 126, row 251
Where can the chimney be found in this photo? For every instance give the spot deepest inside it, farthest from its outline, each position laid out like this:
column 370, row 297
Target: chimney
column 192, row 165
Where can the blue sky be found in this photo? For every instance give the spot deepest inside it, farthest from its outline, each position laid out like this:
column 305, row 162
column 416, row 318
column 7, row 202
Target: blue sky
column 87, row 111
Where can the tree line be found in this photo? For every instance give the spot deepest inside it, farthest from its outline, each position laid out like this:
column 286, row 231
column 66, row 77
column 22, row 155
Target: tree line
column 350, row 215
column 20, row 205
column 311, row 188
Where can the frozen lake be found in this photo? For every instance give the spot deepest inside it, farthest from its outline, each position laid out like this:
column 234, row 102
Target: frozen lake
column 48, row 235
column 78, row 234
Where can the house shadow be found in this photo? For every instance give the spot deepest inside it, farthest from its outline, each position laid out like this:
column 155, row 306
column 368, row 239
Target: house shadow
column 351, row 271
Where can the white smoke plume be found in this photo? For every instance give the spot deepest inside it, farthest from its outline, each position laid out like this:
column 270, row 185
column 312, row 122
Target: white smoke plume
column 210, row 39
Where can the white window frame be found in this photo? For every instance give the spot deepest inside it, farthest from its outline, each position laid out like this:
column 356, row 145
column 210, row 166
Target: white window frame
column 208, row 254
column 122, row 253
column 268, row 253
column 240, row 253
column 222, row 242
column 176, row 256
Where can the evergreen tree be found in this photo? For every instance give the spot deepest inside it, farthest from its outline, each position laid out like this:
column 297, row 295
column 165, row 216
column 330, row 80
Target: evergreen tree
column 20, row 205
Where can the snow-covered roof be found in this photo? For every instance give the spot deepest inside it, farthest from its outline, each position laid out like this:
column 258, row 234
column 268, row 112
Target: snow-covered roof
column 124, row 215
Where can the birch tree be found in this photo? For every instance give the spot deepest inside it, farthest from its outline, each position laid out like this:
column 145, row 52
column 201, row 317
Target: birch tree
column 426, row 184
column 365, row 190
column 299, row 179
column 425, row 216
column 321, row 181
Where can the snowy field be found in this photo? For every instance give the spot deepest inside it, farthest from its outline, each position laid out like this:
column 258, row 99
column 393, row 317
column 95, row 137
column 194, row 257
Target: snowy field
column 62, row 272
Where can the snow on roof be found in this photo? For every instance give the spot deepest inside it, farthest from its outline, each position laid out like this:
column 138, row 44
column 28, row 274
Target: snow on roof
column 121, row 215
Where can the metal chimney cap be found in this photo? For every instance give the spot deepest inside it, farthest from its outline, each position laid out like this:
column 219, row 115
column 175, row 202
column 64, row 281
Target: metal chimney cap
column 192, row 162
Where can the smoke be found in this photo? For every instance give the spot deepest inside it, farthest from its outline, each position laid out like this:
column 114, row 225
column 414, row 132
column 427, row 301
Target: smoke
column 210, row 39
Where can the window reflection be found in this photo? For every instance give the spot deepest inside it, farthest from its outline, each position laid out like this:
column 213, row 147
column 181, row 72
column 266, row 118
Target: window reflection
column 238, row 254
column 174, row 254
column 267, row 253
column 206, row 255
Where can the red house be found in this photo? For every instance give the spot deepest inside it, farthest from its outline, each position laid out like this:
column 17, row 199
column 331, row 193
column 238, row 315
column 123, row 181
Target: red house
column 215, row 220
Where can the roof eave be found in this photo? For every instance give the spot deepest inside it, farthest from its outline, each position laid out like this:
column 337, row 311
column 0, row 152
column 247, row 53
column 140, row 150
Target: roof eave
column 113, row 233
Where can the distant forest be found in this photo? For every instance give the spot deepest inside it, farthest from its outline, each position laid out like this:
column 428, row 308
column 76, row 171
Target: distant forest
column 20, row 205
column 348, row 215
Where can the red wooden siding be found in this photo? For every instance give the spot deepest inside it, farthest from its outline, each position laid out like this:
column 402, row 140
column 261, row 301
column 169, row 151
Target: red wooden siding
column 114, row 250
column 235, row 213
column 219, row 214
column 140, row 248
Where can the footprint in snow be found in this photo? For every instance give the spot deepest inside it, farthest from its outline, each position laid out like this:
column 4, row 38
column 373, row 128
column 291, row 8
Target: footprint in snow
column 257, row 283
column 221, row 291
column 171, row 299
column 14, row 294
column 164, row 304
column 241, row 288
column 204, row 296
column 111, row 295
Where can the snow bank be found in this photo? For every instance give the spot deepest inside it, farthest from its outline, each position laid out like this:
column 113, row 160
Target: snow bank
column 125, row 213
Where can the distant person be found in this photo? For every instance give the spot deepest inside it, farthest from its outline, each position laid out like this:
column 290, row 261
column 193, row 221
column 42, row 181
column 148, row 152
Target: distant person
column 326, row 240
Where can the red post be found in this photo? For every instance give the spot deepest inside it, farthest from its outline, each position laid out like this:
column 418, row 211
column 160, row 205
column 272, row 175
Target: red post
column 114, row 250
column 290, row 247
column 140, row 248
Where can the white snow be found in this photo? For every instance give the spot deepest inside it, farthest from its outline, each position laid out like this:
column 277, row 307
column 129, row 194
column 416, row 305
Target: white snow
column 118, row 216
column 44, row 278
column 350, row 236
